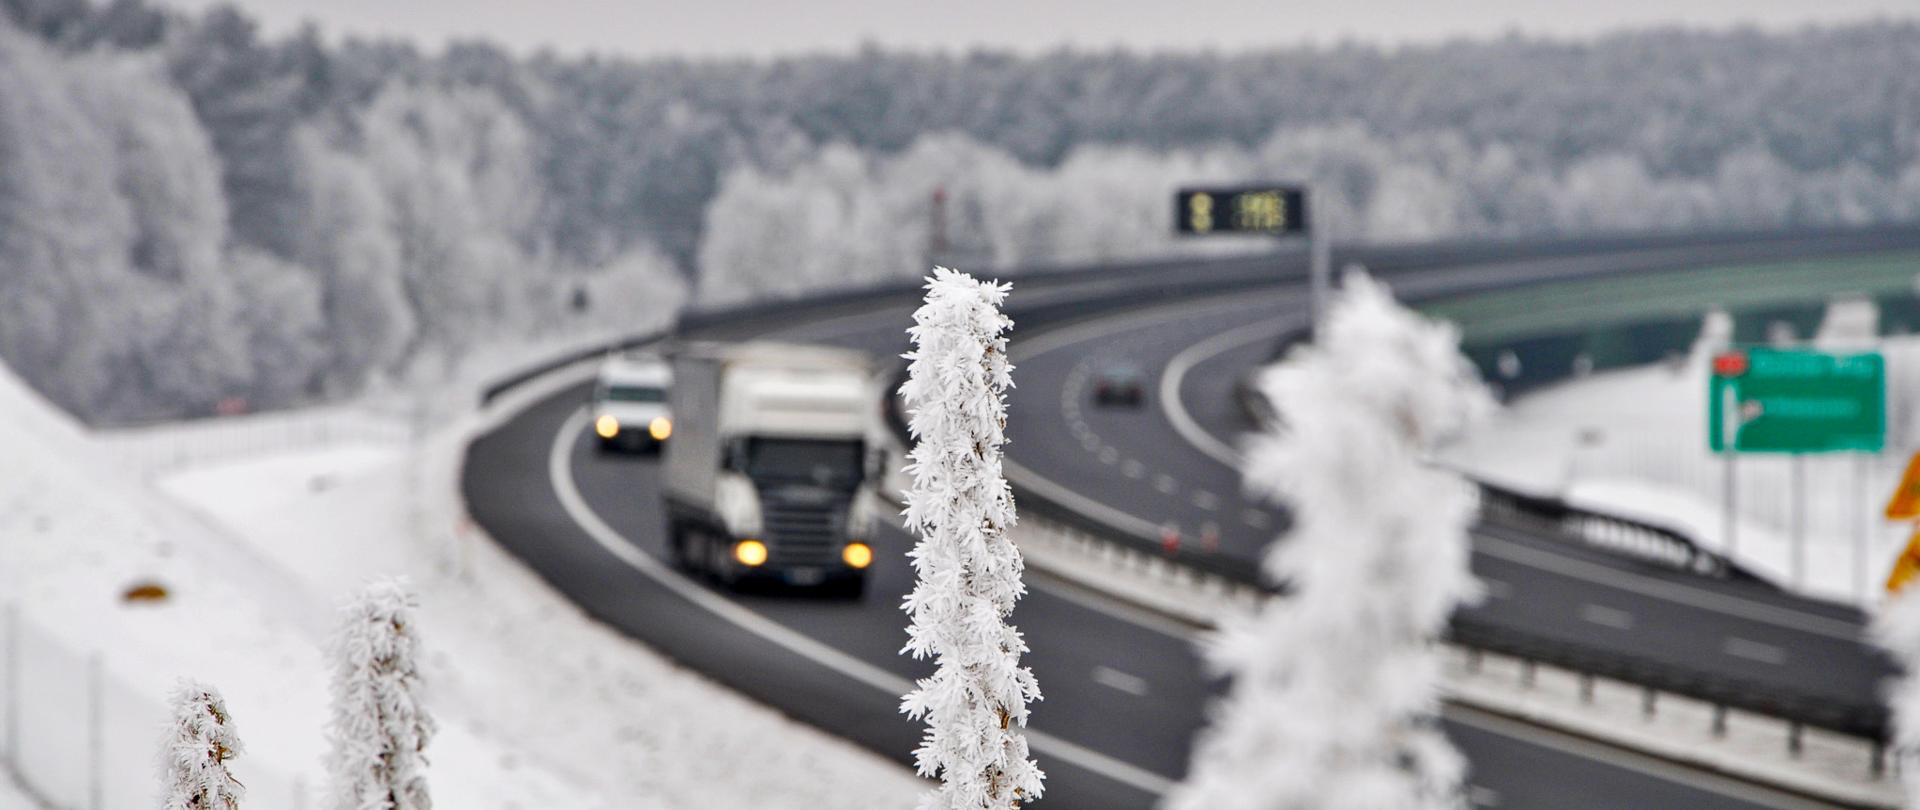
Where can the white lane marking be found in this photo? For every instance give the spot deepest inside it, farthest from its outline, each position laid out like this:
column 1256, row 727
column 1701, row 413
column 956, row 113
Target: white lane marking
column 1754, row 651
column 1483, row 796
column 1532, row 558
column 1660, row 589
column 1606, row 617
column 1165, row 484
column 1132, row 468
column 1255, row 518
column 560, row 472
column 1206, row 500
column 1109, row 455
column 1496, row 588
column 1643, row 764
column 1115, row 679
column 1175, row 407
column 1089, row 441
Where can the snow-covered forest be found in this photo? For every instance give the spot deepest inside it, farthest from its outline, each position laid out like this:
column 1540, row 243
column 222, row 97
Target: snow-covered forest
column 191, row 212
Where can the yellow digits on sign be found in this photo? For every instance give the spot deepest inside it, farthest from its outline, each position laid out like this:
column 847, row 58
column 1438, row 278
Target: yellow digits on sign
column 1200, row 212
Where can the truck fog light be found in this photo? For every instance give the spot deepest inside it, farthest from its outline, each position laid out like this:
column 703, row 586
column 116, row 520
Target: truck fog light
column 607, row 426
column 857, row 555
column 660, row 428
column 750, row 553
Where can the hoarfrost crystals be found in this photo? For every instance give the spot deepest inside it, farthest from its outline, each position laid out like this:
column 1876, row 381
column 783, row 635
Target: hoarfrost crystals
column 194, row 761
column 1334, row 685
column 380, row 730
column 1897, row 630
column 968, row 569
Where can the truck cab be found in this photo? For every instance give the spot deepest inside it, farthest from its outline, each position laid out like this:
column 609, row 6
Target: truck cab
column 630, row 412
column 768, row 466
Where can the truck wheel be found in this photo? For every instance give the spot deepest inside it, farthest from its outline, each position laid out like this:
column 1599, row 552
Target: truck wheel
column 677, row 548
column 853, row 589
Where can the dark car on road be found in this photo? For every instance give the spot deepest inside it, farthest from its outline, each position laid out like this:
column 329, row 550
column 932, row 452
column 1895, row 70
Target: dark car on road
column 1119, row 384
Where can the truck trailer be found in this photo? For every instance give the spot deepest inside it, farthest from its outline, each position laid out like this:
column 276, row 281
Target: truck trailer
column 768, row 464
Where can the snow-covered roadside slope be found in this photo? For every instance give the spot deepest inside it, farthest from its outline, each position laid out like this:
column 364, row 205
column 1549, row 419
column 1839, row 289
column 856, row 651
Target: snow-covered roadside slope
column 512, row 660
column 539, row 706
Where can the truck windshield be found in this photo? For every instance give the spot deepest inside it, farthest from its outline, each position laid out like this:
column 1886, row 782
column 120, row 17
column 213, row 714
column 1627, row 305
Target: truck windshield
column 634, row 393
column 822, row 463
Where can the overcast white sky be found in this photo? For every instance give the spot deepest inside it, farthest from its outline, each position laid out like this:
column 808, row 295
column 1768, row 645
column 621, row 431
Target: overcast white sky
column 763, row 27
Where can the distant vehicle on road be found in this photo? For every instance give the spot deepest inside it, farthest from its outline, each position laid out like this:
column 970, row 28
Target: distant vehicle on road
column 630, row 412
column 1122, row 384
column 764, row 479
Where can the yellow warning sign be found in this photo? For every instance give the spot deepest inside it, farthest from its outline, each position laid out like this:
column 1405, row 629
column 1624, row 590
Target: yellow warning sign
column 1905, row 503
column 1907, row 567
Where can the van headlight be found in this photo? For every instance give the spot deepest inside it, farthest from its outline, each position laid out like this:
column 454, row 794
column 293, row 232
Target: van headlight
column 607, row 426
column 660, row 428
column 750, row 553
column 857, row 555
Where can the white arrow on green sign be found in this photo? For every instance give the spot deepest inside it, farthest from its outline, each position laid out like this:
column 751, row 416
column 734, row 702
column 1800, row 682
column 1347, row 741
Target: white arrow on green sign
column 1797, row 401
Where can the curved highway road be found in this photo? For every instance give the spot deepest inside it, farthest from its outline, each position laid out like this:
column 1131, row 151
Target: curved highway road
column 1124, row 691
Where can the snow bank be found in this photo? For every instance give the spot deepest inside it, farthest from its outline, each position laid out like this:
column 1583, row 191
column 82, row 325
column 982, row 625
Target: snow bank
column 538, row 705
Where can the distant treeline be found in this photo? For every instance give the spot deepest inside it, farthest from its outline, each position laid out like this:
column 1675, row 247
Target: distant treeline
column 189, row 211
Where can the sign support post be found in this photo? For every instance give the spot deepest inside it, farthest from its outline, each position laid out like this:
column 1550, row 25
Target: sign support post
column 1320, row 256
column 1799, row 471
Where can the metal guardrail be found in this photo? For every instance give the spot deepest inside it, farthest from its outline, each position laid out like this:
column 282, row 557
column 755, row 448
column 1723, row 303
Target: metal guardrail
column 1148, row 282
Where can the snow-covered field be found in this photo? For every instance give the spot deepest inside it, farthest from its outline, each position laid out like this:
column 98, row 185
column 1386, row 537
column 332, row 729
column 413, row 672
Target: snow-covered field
column 1633, row 442
column 539, row 706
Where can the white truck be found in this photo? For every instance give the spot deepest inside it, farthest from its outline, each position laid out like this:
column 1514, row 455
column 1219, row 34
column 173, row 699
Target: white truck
column 769, row 462
column 630, row 410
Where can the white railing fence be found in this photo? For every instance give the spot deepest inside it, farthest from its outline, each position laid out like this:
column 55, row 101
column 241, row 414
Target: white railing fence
column 79, row 737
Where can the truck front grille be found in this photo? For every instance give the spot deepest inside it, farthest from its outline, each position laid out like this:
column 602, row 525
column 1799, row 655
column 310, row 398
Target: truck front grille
column 804, row 534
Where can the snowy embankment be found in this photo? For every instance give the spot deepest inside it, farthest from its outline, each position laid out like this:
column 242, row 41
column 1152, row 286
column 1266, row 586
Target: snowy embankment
column 539, row 706
column 1633, row 442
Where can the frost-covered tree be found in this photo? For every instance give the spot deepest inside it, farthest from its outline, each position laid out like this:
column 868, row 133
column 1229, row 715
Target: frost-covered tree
column 193, row 762
column 1333, row 695
column 1897, row 630
column 968, row 569
column 380, row 729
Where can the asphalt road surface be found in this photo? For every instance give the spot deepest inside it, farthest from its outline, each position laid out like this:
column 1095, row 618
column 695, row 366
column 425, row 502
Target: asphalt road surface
column 1125, row 693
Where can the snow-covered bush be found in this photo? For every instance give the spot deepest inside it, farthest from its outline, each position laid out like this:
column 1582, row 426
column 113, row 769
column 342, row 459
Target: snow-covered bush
column 969, row 570
column 1334, row 684
column 193, row 764
column 1897, row 630
column 380, row 729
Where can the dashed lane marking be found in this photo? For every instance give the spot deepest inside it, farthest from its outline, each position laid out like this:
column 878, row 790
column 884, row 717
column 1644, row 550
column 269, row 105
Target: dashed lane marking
column 560, row 475
column 1206, row 500
column 1132, row 469
column 1754, row 651
column 1115, row 679
column 1165, row 484
column 1606, row 617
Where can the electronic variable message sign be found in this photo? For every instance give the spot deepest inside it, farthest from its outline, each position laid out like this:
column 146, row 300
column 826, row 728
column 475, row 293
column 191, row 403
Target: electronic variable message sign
column 1765, row 400
column 1275, row 210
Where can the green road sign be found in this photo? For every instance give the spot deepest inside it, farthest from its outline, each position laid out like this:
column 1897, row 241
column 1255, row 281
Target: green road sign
column 1794, row 401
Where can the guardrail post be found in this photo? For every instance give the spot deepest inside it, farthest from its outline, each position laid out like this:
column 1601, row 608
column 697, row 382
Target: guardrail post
column 1719, row 720
column 1878, row 764
column 1647, row 701
column 1474, row 658
column 1586, row 688
column 1793, row 739
column 1526, row 673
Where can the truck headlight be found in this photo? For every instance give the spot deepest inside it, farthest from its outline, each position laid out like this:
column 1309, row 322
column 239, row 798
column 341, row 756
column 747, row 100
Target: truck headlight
column 660, row 428
column 857, row 555
column 607, row 426
column 750, row 553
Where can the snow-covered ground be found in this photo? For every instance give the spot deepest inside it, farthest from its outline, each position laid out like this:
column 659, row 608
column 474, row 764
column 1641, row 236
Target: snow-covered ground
column 1633, row 442
column 539, row 705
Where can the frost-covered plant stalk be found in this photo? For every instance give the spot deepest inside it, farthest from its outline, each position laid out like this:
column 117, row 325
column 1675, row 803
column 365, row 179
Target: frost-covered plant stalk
column 199, row 744
column 1897, row 630
column 1334, row 691
column 969, row 571
column 380, row 729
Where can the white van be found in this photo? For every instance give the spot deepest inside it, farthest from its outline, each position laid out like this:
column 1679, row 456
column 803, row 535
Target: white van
column 630, row 403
